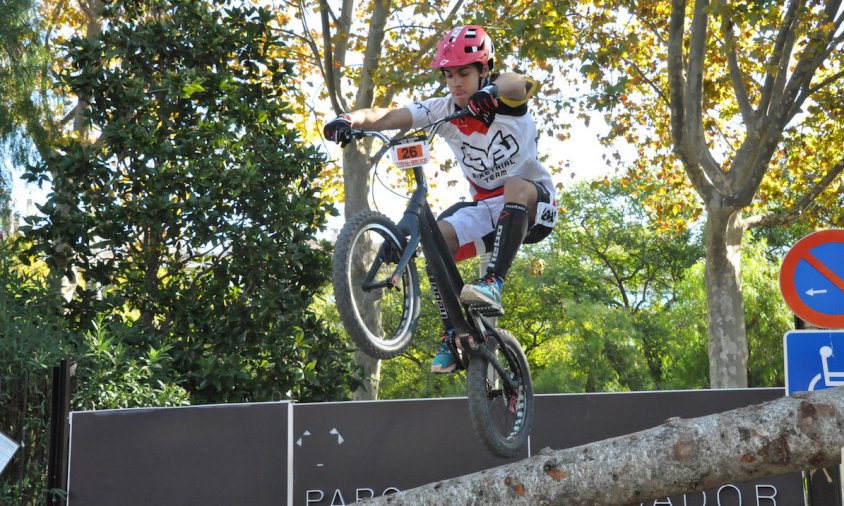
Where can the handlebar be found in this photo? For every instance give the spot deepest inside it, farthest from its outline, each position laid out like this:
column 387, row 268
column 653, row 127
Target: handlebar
column 357, row 133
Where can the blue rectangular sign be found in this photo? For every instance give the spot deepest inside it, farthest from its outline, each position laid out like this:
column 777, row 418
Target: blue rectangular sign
column 814, row 360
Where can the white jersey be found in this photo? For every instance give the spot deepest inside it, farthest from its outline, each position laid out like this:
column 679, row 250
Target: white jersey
column 490, row 150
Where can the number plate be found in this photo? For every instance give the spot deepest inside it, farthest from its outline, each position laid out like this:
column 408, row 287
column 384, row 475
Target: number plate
column 411, row 153
column 546, row 214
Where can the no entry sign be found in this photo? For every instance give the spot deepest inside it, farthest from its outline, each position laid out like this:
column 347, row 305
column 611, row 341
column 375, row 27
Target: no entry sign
column 812, row 278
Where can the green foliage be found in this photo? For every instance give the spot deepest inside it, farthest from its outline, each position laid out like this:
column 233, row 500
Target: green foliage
column 113, row 374
column 611, row 303
column 31, row 341
column 34, row 339
column 766, row 314
column 22, row 59
column 409, row 376
column 614, row 276
column 767, row 317
column 194, row 208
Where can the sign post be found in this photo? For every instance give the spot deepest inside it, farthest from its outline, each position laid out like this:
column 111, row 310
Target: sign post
column 812, row 284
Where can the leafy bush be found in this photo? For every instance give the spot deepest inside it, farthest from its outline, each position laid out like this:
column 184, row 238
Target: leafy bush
column 110, row 373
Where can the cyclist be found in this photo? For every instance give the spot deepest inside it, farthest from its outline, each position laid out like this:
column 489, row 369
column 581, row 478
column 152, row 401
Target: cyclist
column 512, row 192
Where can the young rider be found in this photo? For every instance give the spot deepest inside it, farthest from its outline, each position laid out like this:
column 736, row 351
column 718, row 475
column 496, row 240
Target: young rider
column 512, row 192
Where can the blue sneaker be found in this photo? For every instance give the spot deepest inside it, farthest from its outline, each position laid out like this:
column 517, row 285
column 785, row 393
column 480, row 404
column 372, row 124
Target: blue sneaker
column 444, row 361
column 484, row 293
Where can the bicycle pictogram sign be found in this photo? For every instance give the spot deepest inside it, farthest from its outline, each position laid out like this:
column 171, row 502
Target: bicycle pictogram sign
column 812, row 278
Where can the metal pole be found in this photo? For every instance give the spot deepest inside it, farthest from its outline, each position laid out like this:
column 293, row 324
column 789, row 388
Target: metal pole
column 57, row 459
column 24, row 406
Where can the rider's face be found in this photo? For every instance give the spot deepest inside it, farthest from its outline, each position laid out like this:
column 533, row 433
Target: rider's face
column 463, row 82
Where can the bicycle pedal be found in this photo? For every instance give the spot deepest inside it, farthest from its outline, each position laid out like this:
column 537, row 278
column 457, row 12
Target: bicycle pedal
column 486, row 310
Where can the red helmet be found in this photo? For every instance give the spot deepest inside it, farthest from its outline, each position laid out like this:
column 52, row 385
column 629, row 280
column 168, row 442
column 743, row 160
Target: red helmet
column 464, row 45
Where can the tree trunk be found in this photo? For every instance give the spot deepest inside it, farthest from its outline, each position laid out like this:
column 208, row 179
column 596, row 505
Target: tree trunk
column 724, row 299
column 356, row 171
column 370, row 376
column 356, row 178
column 356, row 184
column 683, row 455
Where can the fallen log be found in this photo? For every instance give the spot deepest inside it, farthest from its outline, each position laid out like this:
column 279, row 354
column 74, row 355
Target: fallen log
column 801, row 432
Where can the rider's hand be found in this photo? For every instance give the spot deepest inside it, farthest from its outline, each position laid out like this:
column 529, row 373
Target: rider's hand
column 339, row 130
column 484, row 100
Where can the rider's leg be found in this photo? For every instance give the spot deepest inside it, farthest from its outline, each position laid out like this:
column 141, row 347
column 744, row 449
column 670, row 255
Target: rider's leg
column 520, row 197
column 450, row 236
column 444, row 361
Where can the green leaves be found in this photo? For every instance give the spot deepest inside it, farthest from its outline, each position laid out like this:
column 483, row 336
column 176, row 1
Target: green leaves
column 191, row 88
column 195, row 209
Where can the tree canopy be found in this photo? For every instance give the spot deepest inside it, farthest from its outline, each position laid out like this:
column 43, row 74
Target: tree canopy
column 731, row 107
column 193, row 207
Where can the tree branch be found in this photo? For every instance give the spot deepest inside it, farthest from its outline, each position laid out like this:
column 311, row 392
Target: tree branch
column 784, row 105
column 616, row 278
column 374, row 41
column 685, row 145
column 653, row 85
column 779, row 58
column 793, row 213
column 676, row 75
column 798, row 88
column 425, row 48
column 331, row 79
column 826, row 82
column 694, row 85
column 736, row 76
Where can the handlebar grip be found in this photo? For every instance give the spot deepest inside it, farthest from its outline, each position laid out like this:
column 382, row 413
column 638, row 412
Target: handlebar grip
column 459, row 114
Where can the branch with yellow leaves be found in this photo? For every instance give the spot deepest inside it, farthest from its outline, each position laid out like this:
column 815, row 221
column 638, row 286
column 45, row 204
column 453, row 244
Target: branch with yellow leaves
column 791, row 214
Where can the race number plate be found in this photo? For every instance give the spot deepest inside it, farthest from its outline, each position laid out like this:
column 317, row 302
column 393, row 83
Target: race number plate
column 411, row 153
column 546, row 214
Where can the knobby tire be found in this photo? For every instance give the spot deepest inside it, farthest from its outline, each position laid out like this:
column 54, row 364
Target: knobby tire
column 501, row 419
column 379, row 321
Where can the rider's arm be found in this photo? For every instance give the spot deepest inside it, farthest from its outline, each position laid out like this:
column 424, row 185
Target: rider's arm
column 514, row 88
column 379, row 118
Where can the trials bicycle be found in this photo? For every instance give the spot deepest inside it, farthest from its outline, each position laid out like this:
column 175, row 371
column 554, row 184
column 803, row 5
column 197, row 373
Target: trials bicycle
column 375, row 268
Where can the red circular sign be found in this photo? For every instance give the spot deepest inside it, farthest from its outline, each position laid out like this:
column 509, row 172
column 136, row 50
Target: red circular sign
column 823, row 303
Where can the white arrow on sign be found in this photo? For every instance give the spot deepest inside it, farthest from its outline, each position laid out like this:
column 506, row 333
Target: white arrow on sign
column 306, row 433
column 811, row 292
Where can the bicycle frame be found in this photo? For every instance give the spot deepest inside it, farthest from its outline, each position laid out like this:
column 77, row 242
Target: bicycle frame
column 420, row 228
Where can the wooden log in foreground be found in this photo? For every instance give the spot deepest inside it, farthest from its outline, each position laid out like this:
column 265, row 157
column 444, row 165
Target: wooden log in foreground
column 801, row 432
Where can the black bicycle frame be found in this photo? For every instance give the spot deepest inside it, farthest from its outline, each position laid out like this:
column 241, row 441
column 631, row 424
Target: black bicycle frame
column 420, row 227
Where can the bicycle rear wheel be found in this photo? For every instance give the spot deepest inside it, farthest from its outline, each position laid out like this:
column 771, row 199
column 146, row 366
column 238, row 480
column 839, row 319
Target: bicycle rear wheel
column 380, row 319
column 502, row 417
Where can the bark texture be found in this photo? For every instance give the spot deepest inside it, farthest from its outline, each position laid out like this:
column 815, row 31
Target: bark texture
column 728, row 350
column 794, row 433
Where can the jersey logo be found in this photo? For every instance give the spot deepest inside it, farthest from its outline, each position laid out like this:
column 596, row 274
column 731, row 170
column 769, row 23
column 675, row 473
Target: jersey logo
column 423, row 107
column 499, row 149
column 470, row 124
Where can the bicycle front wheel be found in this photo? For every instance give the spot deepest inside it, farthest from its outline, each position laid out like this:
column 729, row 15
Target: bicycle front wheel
column 379, row 314
column 502, row 416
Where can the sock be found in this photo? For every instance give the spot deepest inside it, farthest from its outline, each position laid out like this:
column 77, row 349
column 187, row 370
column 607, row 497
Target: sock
column 510, row 231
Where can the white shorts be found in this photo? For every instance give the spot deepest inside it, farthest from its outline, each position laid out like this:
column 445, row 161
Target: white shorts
column 473, row 222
